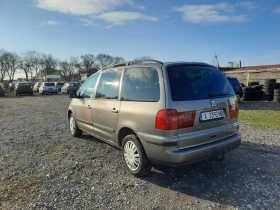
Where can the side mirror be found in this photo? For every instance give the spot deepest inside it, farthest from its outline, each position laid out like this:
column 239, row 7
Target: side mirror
column 72, row 95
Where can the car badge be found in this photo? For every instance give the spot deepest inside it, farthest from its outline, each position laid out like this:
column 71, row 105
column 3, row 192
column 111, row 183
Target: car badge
column 213, row 104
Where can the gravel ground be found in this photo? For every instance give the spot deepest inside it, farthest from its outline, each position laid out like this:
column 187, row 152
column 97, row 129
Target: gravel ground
column 43, row 167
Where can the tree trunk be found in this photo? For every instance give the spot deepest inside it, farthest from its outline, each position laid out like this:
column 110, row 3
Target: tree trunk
column 26, row 75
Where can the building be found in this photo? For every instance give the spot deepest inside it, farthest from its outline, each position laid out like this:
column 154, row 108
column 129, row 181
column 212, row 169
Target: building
column 253, row 73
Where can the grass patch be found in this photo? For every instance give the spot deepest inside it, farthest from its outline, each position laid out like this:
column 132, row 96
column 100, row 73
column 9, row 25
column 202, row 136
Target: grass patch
column 55, row 112
column 261, row 118
column 54, row 152
column 16, row 193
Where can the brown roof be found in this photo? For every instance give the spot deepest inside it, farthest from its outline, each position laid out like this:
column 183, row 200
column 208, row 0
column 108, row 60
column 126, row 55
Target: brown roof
column 250, row 68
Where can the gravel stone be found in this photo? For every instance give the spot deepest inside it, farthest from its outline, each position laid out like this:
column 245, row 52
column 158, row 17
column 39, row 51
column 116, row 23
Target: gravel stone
column 43, row 167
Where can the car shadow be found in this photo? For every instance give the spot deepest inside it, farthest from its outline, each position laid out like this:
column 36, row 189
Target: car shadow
column 246, row 175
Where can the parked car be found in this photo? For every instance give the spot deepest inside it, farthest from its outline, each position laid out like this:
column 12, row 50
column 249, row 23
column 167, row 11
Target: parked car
column 23, row 88
column 48, row 87
column 237, row 86
column 59, row 85
column 2, row 92
column 70, row 87
column 37, row 86
column 168, row 113
column 3, row 87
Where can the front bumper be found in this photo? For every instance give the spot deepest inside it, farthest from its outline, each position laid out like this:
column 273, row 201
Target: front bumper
column 172, row 156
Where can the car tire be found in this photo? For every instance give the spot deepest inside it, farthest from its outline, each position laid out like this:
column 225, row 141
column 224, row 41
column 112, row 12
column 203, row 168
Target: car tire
column 75, row 131
column 134, row 156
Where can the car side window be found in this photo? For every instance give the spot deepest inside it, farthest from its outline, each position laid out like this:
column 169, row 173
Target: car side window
column 140, row 84
column 88, row 88
column 108, row 87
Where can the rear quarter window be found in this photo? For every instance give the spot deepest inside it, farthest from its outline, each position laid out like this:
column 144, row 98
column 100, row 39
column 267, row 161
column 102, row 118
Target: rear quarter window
column 140, row 84
column 189, row 82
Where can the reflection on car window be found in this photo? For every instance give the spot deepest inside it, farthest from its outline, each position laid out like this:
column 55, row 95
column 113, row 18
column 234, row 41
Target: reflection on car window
column 140, row 84
column 87, row 90
column 197, row 82
column 108, row 87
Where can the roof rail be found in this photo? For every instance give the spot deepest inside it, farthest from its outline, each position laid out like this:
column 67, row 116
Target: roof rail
column 129, row 63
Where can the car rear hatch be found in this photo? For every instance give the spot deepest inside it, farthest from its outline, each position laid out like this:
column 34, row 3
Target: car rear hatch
column 204, row 103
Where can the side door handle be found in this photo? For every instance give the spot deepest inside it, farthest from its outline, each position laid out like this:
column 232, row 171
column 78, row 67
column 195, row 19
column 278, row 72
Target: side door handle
column 89, row 107
column 114, row 110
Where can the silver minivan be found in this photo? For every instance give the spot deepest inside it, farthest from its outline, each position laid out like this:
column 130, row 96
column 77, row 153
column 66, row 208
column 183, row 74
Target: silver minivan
column 168, row 113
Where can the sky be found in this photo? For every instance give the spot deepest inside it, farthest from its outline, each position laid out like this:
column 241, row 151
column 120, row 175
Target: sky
column 166, row 30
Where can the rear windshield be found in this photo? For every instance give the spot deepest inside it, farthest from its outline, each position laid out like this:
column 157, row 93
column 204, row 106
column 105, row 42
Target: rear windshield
column 197, row 83
column 60, row 83
column 49, row 84
column 24, row 85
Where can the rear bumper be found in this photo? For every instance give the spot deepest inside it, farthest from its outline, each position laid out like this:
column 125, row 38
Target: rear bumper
column 171, row 155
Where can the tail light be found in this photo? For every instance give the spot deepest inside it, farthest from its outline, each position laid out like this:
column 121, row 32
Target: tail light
column 170, row 119
column 233, row 110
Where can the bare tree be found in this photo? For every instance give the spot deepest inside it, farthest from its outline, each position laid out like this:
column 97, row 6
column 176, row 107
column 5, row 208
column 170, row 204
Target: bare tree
column 88, row 63
column 13, row 60
column 27, row 62
column 74, row 67
column 3, row 63
column 117, row 60
column 65, row 68
column 37, row 63
column 104, row 60
column 143, row 58
column 48, row 63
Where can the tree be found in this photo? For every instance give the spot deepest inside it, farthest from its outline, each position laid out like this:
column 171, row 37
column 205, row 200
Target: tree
column 143, row 58
column 3, row 64
column 117, row 60
column 65, row 68
column 13, row 60
column 104, row 60
column 75, row 67
column 37, row 63
column 88, row 63
column 48, row 63
column 27, row 62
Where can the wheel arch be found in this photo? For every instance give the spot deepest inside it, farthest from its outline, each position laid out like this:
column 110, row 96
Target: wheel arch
column 123, row 132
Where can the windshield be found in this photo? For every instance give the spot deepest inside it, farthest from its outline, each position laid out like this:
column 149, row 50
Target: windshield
column 197, row 83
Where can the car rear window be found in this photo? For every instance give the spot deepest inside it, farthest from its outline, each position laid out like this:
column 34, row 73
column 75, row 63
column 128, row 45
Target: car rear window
column 24, row 85
column 60, row 83
column 189, row 82
column 49, row 84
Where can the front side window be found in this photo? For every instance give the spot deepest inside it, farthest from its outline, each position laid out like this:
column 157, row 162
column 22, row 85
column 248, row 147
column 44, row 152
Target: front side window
column 108, row 86
column 140, row 84
column 197, row 83
column 88, row 88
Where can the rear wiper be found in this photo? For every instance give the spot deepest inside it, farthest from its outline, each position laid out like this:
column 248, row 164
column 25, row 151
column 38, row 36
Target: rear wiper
column 217, row 95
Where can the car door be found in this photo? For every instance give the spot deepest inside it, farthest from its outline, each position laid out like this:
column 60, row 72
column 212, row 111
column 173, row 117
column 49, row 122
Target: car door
column 83, row 104
column 106, row 105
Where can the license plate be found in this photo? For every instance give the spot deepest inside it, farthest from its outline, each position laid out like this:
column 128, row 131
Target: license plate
column 50, row 89
column 204, row 116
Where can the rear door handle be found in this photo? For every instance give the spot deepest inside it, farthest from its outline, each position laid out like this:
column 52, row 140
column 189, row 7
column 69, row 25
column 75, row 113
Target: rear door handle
column 89, row 107
column 114, row 110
